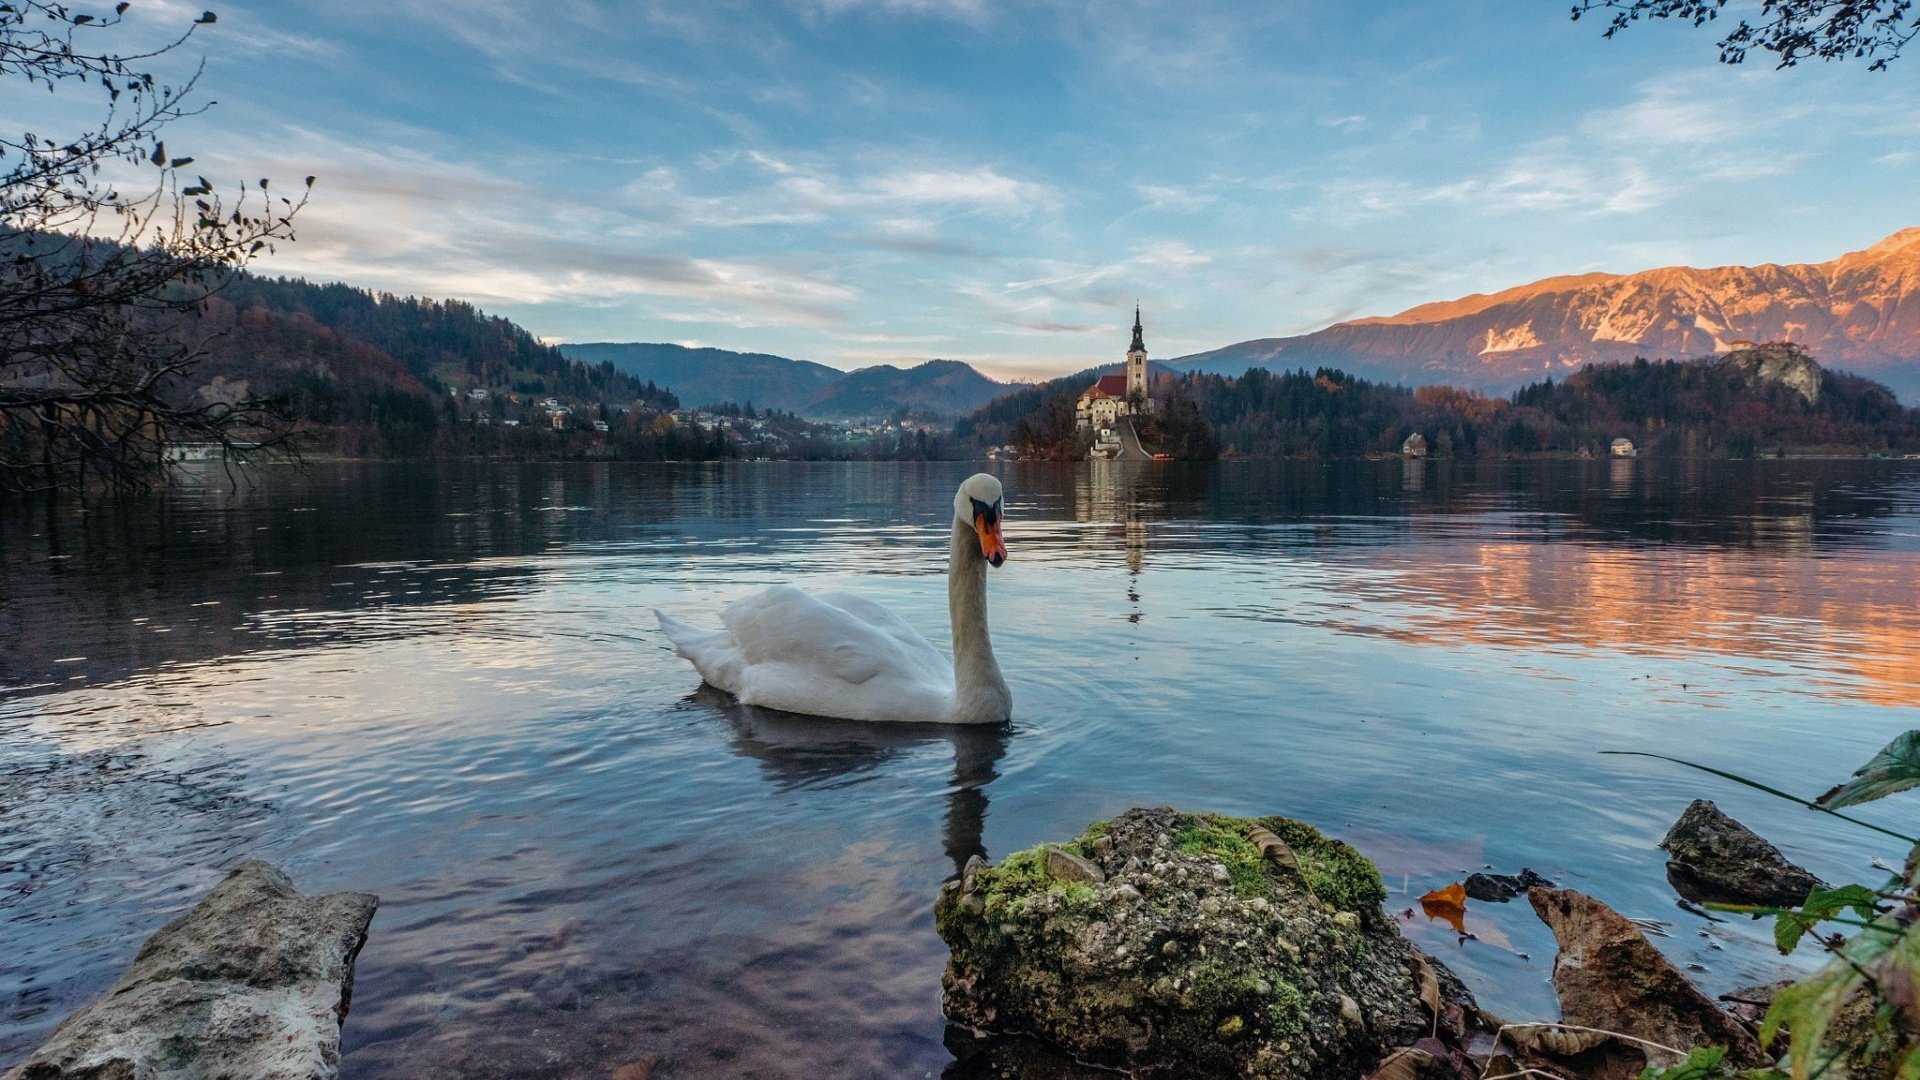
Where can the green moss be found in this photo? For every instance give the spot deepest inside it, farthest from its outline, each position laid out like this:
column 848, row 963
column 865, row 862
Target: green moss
column 1006, row 889
column 1286, row 1015
column 1224, row 839
column 1082, row 845
column 1340, row 875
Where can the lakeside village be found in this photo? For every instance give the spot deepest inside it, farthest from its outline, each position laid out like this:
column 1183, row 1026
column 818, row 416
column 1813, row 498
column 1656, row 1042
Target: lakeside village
column 718, row 430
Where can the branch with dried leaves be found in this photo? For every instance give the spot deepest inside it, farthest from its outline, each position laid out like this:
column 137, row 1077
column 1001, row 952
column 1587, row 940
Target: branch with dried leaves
column 1793, row 30
column 99, row 287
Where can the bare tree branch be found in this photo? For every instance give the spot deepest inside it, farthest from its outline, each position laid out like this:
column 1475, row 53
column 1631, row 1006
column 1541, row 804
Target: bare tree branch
column 98, row 287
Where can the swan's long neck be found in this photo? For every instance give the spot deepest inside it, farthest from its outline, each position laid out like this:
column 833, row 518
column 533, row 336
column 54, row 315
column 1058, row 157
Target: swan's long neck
column 980, row 695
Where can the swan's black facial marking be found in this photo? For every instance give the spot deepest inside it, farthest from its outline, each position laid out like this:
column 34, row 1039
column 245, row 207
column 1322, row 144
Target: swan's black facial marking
column 986, row 522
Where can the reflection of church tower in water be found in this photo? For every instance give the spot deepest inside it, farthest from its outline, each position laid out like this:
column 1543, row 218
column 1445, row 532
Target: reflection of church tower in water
column 1109, row 493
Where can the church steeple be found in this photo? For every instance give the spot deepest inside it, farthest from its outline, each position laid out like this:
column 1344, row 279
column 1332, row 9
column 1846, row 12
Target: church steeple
column 1137, row 368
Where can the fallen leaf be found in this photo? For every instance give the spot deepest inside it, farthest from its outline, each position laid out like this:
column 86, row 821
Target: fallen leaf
column 1407, row 1063
column 1555, row 1040
column 1429, row 985
column 1449, row 905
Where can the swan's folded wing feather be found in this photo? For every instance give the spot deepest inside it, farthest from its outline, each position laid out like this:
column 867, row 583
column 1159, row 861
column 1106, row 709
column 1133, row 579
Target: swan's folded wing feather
column 786, row 626
column 914, row 650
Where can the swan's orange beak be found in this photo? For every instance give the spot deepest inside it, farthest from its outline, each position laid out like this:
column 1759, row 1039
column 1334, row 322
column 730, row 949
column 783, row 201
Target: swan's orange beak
column 991, row 546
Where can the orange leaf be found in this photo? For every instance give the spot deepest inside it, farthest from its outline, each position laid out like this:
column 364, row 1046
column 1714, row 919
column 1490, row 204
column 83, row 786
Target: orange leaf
column 1449, row 905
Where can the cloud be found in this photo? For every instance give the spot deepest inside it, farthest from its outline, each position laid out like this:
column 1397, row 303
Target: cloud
column 1682, row 112
column 396, row 218
column 1175, row 199
column 887, row 205
column 969, row 11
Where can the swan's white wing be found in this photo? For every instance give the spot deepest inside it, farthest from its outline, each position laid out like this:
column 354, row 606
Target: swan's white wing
column 833, row 655
column 915, row 650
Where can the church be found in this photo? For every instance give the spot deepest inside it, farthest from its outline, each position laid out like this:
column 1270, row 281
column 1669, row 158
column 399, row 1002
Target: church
column 1114, row 396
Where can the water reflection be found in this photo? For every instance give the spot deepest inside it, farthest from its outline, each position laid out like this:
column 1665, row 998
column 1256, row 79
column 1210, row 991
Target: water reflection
column 804, row 751
column 442, row 685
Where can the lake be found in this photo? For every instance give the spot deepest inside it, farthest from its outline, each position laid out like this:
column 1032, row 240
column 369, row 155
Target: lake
column 444, row 685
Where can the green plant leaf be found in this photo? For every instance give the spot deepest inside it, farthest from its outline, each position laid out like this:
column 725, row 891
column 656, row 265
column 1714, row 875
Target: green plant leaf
column 1788, row 928
column 1826, row 903
column 1895, row 768
column 1806, row 1009
column 1700, row 1064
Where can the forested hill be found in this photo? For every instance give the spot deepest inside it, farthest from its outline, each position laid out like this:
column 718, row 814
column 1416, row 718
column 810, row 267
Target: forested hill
column 384, row 375
column 441, row 343
column 1764, row 401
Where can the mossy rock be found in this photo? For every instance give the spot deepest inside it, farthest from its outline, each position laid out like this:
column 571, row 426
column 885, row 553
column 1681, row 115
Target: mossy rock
column 1199, row 953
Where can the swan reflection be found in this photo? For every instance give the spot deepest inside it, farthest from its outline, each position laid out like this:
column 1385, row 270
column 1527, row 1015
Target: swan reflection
column 797, row 751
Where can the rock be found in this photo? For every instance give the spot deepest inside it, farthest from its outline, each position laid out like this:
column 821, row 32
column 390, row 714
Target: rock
column 1609, row 976
column 1066, row 866
column 1749, row 1004
column 1777, row 362
column 1273, row 973
column 253, row 982
column 1712, row 858
column 1500, row 888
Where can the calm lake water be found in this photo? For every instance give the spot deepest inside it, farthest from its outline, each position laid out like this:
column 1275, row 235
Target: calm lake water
column 444, row 686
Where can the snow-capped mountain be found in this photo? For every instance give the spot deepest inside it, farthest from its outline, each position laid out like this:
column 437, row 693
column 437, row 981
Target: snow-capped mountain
column 1860, row 312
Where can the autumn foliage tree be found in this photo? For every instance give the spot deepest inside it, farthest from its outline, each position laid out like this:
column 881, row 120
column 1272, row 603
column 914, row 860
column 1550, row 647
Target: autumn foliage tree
column 109, row 242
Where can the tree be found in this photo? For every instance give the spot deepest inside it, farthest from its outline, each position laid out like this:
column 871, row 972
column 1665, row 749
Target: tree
column 107, row 248
column 1793, row 30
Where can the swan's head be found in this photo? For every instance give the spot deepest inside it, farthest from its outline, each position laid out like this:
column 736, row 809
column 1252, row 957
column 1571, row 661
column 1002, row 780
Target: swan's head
column 978, row 504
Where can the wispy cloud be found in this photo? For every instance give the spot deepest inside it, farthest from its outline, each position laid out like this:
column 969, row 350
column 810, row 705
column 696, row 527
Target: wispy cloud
column 393, row 217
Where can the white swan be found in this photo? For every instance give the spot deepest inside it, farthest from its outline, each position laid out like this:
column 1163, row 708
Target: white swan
column 842, row 656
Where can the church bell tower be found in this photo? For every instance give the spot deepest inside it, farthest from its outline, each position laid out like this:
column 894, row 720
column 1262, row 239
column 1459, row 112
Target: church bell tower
column 1137, row 366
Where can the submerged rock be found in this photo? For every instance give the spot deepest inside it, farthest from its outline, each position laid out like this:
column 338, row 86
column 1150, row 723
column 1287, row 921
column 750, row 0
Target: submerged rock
column 1609, row 976
column 1208, row 945
column 253, row 982
column 1712, row 858
column 1500, row 888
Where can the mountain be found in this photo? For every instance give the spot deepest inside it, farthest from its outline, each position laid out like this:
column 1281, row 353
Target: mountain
column 1860, row 311
column 937, row 387
column 712, row 376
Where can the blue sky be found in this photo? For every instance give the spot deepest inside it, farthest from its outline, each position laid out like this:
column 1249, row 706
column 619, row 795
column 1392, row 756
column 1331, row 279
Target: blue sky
column 868, row 181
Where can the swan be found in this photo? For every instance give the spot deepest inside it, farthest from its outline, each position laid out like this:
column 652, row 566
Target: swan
column 839, row 655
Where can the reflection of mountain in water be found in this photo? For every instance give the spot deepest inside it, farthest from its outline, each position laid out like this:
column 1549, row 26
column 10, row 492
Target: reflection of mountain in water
column 1768, row 505
column 356, row 553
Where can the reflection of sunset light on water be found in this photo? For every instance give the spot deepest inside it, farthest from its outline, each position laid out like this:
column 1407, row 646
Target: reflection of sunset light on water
column 1849, row 626
column 439, row 689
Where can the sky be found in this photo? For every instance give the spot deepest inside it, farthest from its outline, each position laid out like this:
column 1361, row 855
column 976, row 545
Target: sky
column 887, row 181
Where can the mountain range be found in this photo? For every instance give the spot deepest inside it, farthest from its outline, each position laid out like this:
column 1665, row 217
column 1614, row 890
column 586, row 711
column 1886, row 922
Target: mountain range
column 1860, row 311
column 703, row 376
